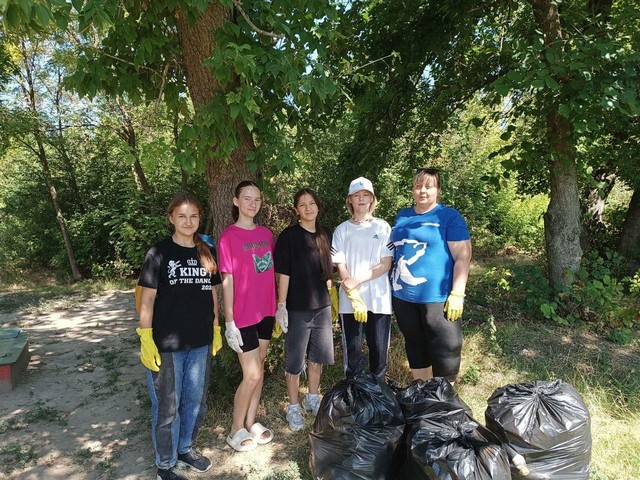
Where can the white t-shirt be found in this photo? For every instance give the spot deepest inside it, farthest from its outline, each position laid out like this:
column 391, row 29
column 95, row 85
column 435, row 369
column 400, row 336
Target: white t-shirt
column 360, row 247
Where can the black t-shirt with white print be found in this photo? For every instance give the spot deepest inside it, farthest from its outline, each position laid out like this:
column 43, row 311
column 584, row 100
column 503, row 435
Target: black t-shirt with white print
column 183, row 308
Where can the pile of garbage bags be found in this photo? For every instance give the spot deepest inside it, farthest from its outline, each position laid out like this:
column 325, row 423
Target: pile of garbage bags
column 367, row 429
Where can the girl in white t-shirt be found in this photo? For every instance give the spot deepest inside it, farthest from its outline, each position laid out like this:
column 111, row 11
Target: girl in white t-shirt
column 362, row 256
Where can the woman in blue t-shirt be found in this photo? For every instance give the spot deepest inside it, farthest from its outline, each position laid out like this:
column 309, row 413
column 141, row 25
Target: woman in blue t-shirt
column 431, row 267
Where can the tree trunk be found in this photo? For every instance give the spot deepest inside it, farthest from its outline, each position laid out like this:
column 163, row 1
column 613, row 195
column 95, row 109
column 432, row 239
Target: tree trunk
column 629, row 241
column 562, row 223
column 128, row 134
column 562, row 219
column 593, row 210
column 42, row 157
column 197, row 41
column 30, row 98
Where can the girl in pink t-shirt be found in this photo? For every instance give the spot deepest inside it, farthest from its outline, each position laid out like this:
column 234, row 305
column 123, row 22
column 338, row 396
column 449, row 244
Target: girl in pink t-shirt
column 245, row 253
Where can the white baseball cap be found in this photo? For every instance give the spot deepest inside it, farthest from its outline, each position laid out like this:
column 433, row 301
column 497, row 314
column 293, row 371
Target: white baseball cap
column 361, row 183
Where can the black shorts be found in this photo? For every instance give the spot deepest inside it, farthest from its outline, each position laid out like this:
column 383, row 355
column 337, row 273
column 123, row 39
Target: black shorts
column 429, row 338
column 253, row 333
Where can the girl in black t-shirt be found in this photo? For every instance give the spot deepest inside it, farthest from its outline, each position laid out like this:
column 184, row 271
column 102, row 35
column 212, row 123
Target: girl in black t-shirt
column 303, row 264
column 178, row 331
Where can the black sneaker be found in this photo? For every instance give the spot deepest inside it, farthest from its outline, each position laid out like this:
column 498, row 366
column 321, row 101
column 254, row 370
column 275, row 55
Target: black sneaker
column 171, row 474
column 194, row 460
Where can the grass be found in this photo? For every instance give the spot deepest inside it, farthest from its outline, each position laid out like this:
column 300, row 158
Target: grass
column 112, row 359
column 16, row 456
column 39, row 413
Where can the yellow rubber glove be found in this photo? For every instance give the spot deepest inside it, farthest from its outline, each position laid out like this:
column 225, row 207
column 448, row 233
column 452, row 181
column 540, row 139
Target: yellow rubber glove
column 335, row 304
column 453, row 306
column 277, row 331
column 149, row 355
column 359, row 307
column 217, row 340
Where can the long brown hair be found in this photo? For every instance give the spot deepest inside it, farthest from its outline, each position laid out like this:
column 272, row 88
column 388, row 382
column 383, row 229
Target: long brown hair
column 204, row 252
column 322, row 243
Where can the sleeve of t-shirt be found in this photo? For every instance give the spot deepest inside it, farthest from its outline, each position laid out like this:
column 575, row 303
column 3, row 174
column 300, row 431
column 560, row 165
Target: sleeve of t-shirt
column 337, row 246
column 150, row 273
column 457, row 230
column 385, row 236
column 224, row 255
column 281, row 255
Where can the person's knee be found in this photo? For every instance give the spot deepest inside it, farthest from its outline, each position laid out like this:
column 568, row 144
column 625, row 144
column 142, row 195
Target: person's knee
column 252, row 376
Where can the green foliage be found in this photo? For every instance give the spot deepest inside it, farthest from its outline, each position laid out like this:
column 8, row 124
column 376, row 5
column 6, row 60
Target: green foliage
column 471, row 376
column 596, row 296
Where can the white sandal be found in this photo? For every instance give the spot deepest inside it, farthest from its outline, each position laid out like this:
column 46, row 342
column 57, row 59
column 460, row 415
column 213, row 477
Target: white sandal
column 237, row 441
column 257, row 431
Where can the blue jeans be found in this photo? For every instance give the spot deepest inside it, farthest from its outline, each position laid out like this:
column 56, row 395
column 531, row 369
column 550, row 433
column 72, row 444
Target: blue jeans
column 377, row 329
column 178, row 402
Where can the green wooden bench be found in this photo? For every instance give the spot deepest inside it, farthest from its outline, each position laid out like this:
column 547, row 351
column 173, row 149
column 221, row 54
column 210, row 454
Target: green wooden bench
column 14, row 356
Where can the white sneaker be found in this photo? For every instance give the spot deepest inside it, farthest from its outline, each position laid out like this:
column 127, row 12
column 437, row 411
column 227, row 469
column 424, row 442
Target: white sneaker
column 311, row 404
column 294, row 417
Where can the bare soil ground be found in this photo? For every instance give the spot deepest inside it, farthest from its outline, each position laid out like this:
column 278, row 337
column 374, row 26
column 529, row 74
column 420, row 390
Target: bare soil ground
column 81, row 410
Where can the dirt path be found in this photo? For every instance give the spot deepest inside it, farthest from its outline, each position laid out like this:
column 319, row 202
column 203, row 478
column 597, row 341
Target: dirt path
column 81, row 410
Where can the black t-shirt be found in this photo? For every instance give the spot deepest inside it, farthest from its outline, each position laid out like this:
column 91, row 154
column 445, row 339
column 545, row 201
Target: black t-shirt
column 183, row 308
column 297, row 256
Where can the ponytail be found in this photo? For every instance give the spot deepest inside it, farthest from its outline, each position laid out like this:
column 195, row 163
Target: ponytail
column 204, row 255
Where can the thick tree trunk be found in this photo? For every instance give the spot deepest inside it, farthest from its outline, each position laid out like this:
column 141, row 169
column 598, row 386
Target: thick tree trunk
column 629, row 241
column 562, row 219
column 197, row 42
column 562, row 223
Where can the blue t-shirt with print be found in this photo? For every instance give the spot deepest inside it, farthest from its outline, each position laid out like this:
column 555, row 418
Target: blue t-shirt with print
column 423, row 265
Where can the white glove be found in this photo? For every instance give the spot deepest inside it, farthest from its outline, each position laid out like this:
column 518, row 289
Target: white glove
column 282, row 317
column 233, row 336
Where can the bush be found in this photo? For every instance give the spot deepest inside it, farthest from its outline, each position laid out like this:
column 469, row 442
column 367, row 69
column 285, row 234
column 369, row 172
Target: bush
column 596, row 296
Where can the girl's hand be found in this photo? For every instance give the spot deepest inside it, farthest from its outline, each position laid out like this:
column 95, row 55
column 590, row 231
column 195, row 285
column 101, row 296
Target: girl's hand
column 350, row 283
column 233, row 336
column 282, row 317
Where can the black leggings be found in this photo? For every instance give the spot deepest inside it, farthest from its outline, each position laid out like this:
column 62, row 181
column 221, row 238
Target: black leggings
column 429, row 338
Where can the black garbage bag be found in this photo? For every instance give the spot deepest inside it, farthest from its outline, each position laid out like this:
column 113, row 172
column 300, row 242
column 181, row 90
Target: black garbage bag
column 356, row 430
column 453, row 446
column 420, row 400
column 548, row 424
column 424, row 398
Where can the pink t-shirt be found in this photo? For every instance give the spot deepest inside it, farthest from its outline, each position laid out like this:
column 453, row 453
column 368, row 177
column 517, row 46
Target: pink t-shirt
column 248, row 256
